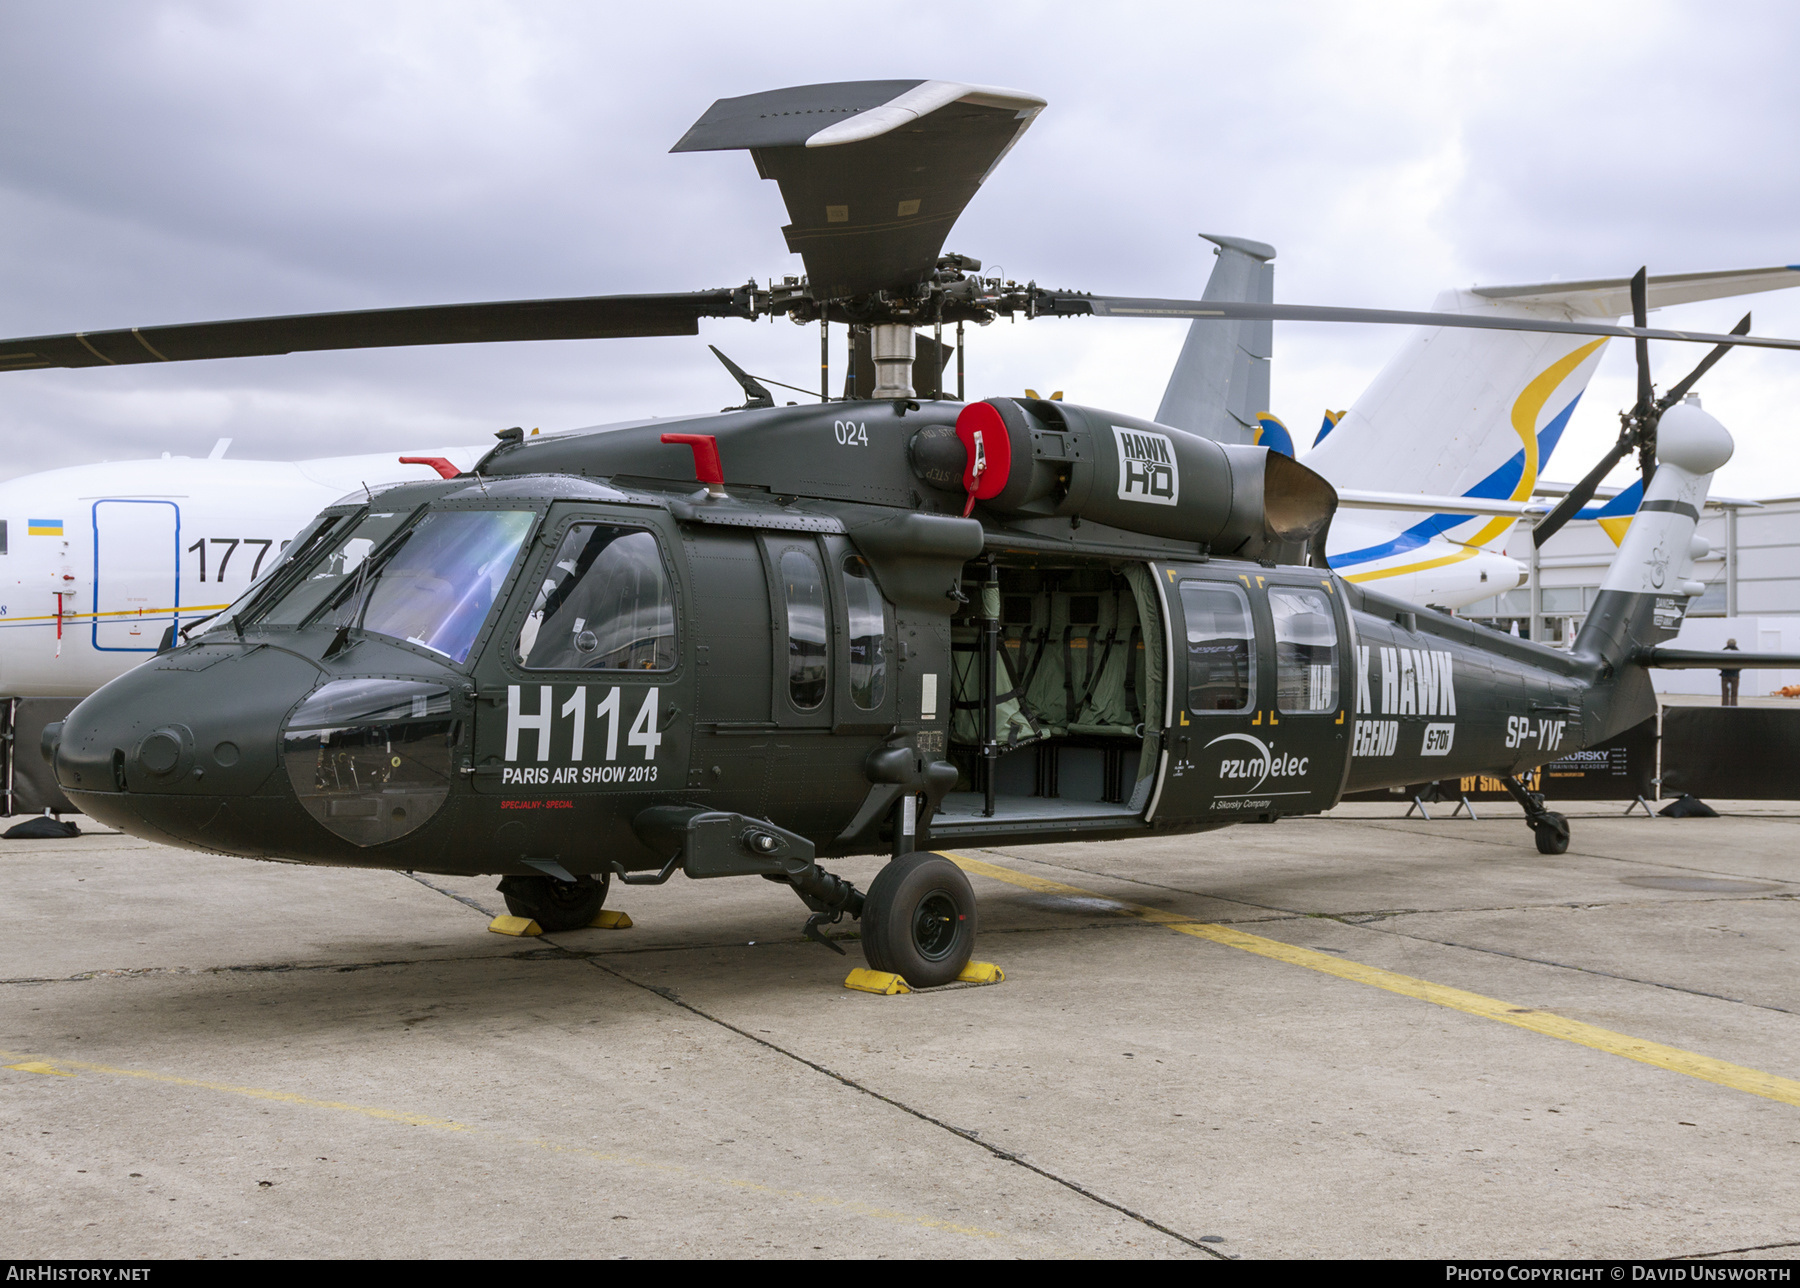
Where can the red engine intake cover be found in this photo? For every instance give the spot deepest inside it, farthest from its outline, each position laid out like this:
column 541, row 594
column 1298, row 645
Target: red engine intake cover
column 984, row 436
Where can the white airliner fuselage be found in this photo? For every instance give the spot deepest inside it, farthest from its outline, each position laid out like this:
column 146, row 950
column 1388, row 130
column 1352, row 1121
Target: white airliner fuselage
column 98, row 560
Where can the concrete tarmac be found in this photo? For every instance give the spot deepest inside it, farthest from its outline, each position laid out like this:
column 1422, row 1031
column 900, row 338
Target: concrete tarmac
column 217, row 1058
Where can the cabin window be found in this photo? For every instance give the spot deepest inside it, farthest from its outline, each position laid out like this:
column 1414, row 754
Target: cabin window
column 803, row 585
column 868, row 634
column 604, row 605
column 2, row 536
column 437, row 586
column 1221, row 647
column 1305, row 649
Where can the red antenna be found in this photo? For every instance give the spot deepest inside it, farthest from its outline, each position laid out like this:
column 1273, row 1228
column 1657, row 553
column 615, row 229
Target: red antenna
column 706, row 459
column 444, row 468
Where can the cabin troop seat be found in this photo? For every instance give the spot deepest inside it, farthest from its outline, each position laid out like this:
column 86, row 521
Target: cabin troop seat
column 1080, row 683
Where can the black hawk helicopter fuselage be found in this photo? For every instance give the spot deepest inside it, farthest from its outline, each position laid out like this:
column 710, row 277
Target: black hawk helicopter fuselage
column 739, row 644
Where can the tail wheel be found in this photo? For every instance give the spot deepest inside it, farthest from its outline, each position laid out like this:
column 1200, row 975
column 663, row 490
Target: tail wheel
column 556, row 905
column 1552, row 834
column 918, row 920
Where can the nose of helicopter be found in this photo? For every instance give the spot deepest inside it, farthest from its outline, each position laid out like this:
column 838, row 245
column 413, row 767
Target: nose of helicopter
column 187, row 748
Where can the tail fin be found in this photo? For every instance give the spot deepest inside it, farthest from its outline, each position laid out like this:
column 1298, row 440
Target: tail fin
column 1478, row 413
column 1272, row 434
column 1221, row 380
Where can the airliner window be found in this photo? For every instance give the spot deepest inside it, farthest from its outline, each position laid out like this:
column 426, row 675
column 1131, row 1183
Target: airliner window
column 804, row 584
column 436, row 588
column 1221, row 647
column 868, row 631
column 335, row 570
column 604, row 605
column 1305, row 649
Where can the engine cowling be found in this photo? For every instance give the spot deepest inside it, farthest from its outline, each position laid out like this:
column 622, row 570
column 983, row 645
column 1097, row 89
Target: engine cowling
column 1023, row 457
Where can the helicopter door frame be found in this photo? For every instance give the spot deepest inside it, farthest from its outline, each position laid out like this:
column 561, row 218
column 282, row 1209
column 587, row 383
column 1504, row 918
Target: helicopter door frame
column 1321, row 737
column 1207, row 751
column 782, row 707
column 650, row 744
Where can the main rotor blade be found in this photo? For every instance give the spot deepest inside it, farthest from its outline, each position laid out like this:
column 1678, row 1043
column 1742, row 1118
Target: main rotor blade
column 1071, row 304
column 595, row 317
column 1579, row 495
column 1640, row 318
column 1679, row 390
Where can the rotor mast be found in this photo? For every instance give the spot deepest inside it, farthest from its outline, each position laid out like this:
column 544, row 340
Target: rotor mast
column 891, row 344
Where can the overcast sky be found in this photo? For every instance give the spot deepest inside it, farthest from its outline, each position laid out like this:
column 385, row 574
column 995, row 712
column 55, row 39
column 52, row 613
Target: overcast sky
column 180, row 161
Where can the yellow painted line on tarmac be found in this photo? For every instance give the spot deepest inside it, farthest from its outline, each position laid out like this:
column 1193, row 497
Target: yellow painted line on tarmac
column 69, row 1068
column 1704, row 1067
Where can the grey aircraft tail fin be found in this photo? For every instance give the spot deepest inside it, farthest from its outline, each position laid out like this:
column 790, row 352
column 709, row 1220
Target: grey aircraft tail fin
column 1221, row 380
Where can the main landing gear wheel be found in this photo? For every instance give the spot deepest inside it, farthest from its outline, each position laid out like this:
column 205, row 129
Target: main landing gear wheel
column 1552, row 831
column 556, row 905
column 918, row 920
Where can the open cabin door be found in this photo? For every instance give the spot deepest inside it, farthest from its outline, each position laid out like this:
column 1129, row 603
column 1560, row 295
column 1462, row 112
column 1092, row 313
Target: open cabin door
column 1260, row 692
column 1058, row 687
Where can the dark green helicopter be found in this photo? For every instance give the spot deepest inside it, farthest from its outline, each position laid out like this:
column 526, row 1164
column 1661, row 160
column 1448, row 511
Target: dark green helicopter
column 744, row 643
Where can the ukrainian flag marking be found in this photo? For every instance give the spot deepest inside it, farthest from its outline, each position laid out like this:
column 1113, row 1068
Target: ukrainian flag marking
column 43, row 527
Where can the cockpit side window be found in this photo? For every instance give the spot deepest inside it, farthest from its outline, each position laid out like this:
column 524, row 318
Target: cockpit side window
column 604, row 605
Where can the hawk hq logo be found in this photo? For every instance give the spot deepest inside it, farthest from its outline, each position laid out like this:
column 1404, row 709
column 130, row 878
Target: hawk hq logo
column 1148, row 472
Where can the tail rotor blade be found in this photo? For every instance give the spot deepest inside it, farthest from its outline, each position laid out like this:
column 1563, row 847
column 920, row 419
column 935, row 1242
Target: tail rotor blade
column 1679, row 391
column 1640, row 318
column 1580, row 495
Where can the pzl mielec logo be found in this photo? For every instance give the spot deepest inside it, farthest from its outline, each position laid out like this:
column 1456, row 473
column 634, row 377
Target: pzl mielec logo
column 1147, row 468
column 1263, row 764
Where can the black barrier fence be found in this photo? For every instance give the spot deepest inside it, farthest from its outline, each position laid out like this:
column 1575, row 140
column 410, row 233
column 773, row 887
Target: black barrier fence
column 26, row 784
column 1728, row 753
column 1731, row 753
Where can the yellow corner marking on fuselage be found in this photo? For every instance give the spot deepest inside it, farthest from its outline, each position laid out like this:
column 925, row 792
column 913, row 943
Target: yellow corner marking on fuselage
column 488, row 1133
column 1676, row 1060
